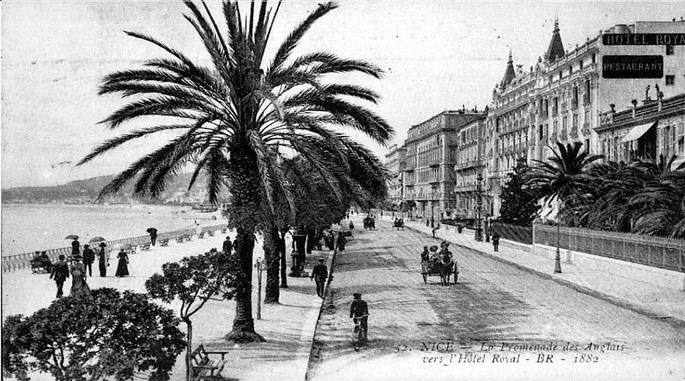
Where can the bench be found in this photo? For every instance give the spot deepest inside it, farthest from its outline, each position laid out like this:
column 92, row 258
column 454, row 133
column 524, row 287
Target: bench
column 201, row 235
column 223, row 231
column 180, row 239
column 210, row 233
column 204, row 368
column 164, row 242
column 144, row 247
column 189, row 237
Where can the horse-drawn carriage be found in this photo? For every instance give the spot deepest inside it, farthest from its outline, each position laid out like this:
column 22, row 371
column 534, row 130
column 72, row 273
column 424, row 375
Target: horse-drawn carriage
column 398, row 223
column 442, row 265
column 437, row 268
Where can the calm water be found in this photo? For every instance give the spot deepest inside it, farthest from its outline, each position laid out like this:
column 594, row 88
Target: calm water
column 27, row 228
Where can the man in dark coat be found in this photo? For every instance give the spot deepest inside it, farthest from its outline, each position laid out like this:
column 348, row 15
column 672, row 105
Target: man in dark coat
column 60, row 273
column 88, row 259
column 228, row 245
column 341, row 241
column 153, row 236
column 75, row 247
column 495, row 241
column 359, row 311
column 320, row 273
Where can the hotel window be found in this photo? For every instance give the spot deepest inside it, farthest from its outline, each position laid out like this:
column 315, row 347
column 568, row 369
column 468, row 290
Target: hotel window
column 587, row 145
column 670, row 80
column 593, row 59
column 541, row 132
column 670, row 50
column 570, row 70
column 581, row 64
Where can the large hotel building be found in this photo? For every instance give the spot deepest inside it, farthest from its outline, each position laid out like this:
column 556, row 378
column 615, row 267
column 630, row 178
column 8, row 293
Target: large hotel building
column 562, row 97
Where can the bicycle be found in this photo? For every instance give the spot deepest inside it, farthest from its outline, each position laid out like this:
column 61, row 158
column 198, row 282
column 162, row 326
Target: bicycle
column 358, row 337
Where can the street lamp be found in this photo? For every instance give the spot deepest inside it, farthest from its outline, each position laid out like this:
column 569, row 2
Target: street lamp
column 557, row 257
column 479, row 205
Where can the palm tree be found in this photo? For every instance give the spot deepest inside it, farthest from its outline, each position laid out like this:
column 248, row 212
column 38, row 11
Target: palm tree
column 561, row 179
column 236, row 117
column 661, row 203
column 604, row 202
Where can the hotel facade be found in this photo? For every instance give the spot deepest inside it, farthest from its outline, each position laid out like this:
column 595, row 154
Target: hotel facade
column 563, row 97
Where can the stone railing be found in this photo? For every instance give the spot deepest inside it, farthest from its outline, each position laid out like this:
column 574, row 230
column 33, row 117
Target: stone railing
column 23, row 260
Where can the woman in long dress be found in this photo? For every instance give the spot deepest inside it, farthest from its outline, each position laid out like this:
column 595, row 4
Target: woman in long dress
column 78, row 276
column 102, row 260
column 122, row 266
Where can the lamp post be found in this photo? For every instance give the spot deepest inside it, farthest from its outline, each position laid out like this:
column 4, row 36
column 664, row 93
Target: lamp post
column 261, row 266
column 557, row 257
column 479, row 205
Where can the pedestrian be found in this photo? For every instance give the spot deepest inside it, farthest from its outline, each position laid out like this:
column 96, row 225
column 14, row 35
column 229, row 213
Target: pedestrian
column 198, row 229
column 228, row 245
column 78, row 277
column 88, row 259
column 359, row 312
column 153, row 236
column 320, row 273
column 341, row 242
column 425, row 254
column 495, row 241
column 122, row 265
column 75, row 247
column 102, row 260
column 60, row 273
column 436, row 228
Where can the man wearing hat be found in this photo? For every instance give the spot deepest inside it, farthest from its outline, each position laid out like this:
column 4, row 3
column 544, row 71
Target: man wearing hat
column 320, row 273
column 88, row 259
column 359, row 311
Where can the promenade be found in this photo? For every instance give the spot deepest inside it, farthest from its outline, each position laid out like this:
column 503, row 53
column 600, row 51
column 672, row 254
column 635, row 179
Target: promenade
column 288, row 327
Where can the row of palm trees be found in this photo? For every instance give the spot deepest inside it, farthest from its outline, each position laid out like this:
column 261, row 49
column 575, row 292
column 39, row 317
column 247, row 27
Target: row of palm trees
column 644, row 197
column 270, row 131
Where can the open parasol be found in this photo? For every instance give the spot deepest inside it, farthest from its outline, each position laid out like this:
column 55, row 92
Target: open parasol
column 97, row 239
column 71, row 236
column 433, row 248
column 151, row 230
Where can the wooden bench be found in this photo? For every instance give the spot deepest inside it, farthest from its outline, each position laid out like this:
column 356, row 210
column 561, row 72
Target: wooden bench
column 223, row 231
column 180, row 239
column 204, row 368
column 210, row 233
column 189, row 237
column 164, row 242
column 201, row 235
column 144, row 247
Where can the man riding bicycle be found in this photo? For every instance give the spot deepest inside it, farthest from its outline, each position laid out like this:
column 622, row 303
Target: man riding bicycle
column 359, row 312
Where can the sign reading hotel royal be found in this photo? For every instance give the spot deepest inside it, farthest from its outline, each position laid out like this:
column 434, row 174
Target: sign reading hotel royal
column 643, row 39
column 632, row 66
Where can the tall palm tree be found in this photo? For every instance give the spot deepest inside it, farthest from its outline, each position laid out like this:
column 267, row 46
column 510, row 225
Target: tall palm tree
column 561, row 178
column 235, row 117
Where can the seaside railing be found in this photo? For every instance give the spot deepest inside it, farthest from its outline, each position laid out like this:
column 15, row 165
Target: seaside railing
column 23, row 260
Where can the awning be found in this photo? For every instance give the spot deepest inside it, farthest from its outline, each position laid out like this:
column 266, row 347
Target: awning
column 637, row 131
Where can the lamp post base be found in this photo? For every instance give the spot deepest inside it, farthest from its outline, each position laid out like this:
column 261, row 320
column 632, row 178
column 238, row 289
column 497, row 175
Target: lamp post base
column 557, row 263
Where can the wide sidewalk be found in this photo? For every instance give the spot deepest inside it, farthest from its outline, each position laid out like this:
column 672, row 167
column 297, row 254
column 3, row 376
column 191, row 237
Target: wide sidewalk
column 288, row 327
column 643, row 297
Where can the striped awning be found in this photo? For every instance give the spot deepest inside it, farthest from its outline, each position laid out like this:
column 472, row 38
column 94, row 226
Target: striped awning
column 637, row 131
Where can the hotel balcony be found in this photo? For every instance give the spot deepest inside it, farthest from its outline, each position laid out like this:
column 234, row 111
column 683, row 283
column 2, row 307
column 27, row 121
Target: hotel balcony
column 409, row 167
column 465, row 187
column 467, row 164
column 434, row 163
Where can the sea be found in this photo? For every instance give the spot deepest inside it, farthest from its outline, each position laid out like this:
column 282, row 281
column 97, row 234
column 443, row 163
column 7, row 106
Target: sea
column 27, row 228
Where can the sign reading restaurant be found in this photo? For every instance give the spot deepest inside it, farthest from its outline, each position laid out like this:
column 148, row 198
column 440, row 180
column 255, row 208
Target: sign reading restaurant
column 643, row 39
column 632, row 66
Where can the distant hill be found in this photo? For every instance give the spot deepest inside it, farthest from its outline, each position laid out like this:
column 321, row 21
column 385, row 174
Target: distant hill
column 86, row 191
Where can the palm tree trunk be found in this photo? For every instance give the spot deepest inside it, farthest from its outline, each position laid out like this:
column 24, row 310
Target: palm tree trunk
column 245, row 215
column 284, row 264
column 243, row 324
column 272, row 254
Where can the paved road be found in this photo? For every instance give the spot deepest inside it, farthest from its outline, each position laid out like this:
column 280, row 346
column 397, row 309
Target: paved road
column 498, row 322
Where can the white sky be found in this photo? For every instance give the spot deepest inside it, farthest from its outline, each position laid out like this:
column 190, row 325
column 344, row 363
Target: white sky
column 437, row 55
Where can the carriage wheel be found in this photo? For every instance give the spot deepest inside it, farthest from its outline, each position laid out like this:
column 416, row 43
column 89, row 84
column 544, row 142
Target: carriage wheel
column 425, row 278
